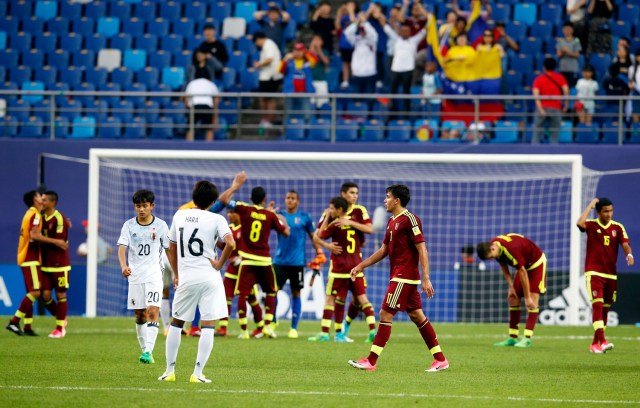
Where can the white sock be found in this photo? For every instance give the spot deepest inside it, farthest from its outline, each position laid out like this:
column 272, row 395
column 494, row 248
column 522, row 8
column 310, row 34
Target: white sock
column 172, row 346
column 152, row 335
column 205, row 345
column 165, row 314
column 141, row 331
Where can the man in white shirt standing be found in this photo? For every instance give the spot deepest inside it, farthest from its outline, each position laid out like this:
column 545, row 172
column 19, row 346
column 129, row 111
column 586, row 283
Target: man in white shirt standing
column 364, row 39
column 203, row 100
column 193, row 257
column 269, row 76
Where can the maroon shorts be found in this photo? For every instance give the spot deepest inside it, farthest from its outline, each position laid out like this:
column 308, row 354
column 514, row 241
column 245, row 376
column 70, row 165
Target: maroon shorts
column 229, row 286
column 58, row 281
column 249, row 275
column 401, row 297
column 32, row 277
column 603, row 288
column 340, row 287
column 537, row 280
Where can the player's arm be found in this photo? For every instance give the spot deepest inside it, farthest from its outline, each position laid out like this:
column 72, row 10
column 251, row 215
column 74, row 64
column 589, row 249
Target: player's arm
column 628, row 253
column 366, row 228
column 423, row 255
column 582, row 221
column 376, row 257
column 122, row 258
column 507, row 277
column 36, row 235
column 238, row 181
column 333, row 247
column 286, row 231
column 172, row 256
column 229, row 244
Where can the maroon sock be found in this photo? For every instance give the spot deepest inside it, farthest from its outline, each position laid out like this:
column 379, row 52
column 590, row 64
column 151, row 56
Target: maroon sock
column 338, row 314
column 51, row 307
column 352, row 312
column 370, row 315
column 532, row 319
column 255, row 308
column 61, row 312
column 381, row 339
column 430, row 339
column 269, row 308
column 514, row 321
column 242, row 312
column 598, row 323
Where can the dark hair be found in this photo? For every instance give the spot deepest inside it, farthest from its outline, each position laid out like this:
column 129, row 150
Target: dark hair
column 483, row 249
column 549, row 64
column 462, row 34
column 204, row 194
column 500, row 24
column 294, row 192
column 339, row 202
column 467, row 250
column 143, row 196
column 208, row 27
column 346, row 186
column 568, row 24
column 401, row 192
column 460, row 18
column 257, row 195
column 28, row 198
column 259, row 35
column 602, row 202
column 614, row 70
column 52, row 194
column 589, row 67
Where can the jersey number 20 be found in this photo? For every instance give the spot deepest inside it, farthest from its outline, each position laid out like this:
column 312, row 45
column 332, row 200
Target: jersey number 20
column 193, row 242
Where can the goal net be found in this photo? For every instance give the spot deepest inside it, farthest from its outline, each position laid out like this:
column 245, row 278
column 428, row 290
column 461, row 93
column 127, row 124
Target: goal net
column 461, row 199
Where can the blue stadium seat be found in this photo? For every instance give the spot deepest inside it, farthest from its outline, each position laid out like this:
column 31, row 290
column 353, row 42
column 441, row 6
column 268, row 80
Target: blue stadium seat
column 22, row 9
column 84, row 26
column 516, row 30
column 9, row 58
column 71, row 42
column 33, row 58
column 95, row 9
column 229, row 43
column 124, row 110
column 120, row 9
column 629, row 13
column 3, row 9
column 47, row 74
column 177, row 111
column 83, row 58
column 133, row 26
column 173, row 77
column 122, row 42
column 95, row 42
column 61, row 88
column 147, row 42
column 21, row 41
column 610, row 132
column 505, row 132
column 47, row 42
column 69, row 108
column 137, row 129
column 194, row 41
column 621, row 29
column 347, row 130
column 110, row 128
column 357, row 109
column 172, row 43
column 97, row 108
column 162, row 128
column 566, row 132
column 249, row 79
column 513, row 79
column 3, row 40
column 319, row 129
column 135, row 59
column 229, row 78
column 501, row 12
column 137, row 100
column 551, row 13
column 373, row 130
column 220, row 9
column 3, row 74
column 600, row 63
column 299, row 11
column 151, row 111
column 9, row 24
column 83, row 127
column 526, row 13
column 195, row 10
column 237, row 60
column 89, row 90
column 108, row 26
column 148, row 76
column 20, row 74
column 70, row 10
column 33, row 25
column 245, row 9
column 170, row 10
column 634, row 134
column 295, row 129
column 20, row 109
column 531, row 46
column 58, row 26
column 162, row 100
column 96, row 75
column 42, row 109
column 522, row 63
column 246, row 45
column 146, row 9
column 182, row 59
column 122, row 76
column 160, row 59
column 34, row 86
column 72, row 75
column 183, row 27
column 112, row 100
column 159, row 27
column 399, row 130
column 586, row 133
column 32, row 128
column 9, row 126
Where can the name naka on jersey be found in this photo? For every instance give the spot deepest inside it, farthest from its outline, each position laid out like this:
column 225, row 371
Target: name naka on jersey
column 404, row 231
column 603, row 242
column 55, row 259
column 349, row 240
column 145, row 244
column 517, row 251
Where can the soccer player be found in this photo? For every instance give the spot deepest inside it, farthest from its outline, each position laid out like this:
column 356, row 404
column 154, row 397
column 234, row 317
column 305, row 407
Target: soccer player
column 55, row 263
column 339, row 282
column 530, row 280
column 142, row 240
column 289, row 261
column 604, row 235
column 230, row 281
column 256, row 265
column 29, row 262
column 193, row 256
column 404, row 244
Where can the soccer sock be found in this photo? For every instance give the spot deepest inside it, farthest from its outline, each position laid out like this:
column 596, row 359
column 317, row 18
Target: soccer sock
column 141, row 332
column 352, row 312
column 605, row 316
column 50, row 305
column 172, row 346
column 532, row 318
column 430, row 339
column 242, row 312
column 296, row 310
column 61, row 313
column 223, row 323
column 326, row 318
column 598, row 323
column 25, row 306
column 370, row 316
column 28, row 312
column 514, row 321
column 269, row 308
column 205, row 345
column 152, row 335
column 165, row 313
column 384, row 332
column 338, row 314
column 256, row 310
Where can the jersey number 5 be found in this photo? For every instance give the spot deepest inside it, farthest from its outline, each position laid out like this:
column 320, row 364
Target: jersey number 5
column 193, row 242
column 351, row 248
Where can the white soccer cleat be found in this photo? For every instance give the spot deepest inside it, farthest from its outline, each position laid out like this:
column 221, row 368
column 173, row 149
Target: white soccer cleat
column 202, row 379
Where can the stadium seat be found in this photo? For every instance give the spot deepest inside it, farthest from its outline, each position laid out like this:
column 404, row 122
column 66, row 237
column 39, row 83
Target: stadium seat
column 61, row 128
column 522, row 63
column 172, row 43
column 505, row 132
column 22, row 9
column 95, row 42
column 220, row 9
column 319, row 129
column 120, row 9
column 71, row 42
column 71, row 9
column 72, row 75
column 133, row 26
column 162, row 128
column 146, row 9
column 178, row 112
column 108, row 26
column 33, row 86
column 399, row 130
column 551, row 12
column 9, row 24
column 182, row 59
column 249, row 79
column 32, row 128
column 33, row 25
column 112, row 100
column 69, row 108
column 373, row 131
column 183, row 27
column 634, row 134
column 229, row 43
column 20, row 74
column 600, row 63
column 246, row 45
column 45, row 74
column 516, row 30
column 58, row 26
column 122, row 76
column 122, row 42
column 299, row 11
column 531, row 46
column 347, row 130
column 501, row 12
column 621, row 29
column 20, row 109
column 109, row 58
column 135, row 59
column 84, row 26
column 88, row 96
column 629, row 13
column 83, row 127
column 195, row 10
column 33, row 58
column 237, row 60
column 151, row 111
column 3, row 40
column 47, row 42
column 160, row 59
column 83, row 58
column 159, row 27
column 124, row 110
column 21, row 41
column 357, row 109
column 110, row 128
column 97, row 108
column 3, row 74
column 95, row 9
column 173, row 77
column 137, row 129
column 147, row 42
column 610, row 133
column 229, row 78
column 295, row 129
column 148, row 76
column 245, row 10
column 170, row 10
column 526, row 13
column 234, row 27
column 586, row 133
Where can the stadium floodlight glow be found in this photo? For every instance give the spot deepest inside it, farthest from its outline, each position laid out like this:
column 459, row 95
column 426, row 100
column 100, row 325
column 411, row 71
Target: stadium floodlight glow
column 461, row 198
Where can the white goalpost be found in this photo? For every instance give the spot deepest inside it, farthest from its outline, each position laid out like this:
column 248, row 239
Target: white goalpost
column 462, row 199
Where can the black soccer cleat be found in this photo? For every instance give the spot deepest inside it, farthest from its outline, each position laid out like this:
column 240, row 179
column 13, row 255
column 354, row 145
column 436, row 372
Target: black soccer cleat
column 14, row 328
column 29, row 333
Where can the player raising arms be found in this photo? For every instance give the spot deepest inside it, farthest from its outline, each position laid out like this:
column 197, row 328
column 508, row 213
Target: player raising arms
column 256, row 266
column 603, row 238
column 404, row 244
column 530, row 280
column 140, row 246
column 193, row 236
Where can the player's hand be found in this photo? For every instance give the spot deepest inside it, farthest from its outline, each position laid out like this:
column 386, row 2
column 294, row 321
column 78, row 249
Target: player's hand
column 343, row 222
column 35, row 233
column 511, row 294
column 335, row 248
column 64, row 245
column 630, row 260
column 239, row 179
column 271, row 206
column 427, row 288
column 594, row 202
column 236, row 260
column 126, row 271
column 216, row 264
column 528, row 301
column 175, row 282
column 355, row 271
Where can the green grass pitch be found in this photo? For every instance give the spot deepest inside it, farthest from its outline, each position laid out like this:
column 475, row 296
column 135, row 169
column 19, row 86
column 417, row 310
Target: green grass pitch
column 96, row 365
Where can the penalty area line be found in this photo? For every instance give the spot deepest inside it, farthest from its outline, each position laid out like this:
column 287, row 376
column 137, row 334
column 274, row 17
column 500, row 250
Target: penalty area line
column 323, row 393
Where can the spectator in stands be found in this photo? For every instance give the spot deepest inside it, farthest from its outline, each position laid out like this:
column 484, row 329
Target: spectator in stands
column 378, row 20
column 504, row 39
column 568, row 49
column 549, row 111
column 488, row 44
column 634, row 86
column 613, row 85
column 586, row 88
column 445, row 29
column 215, row 49
column 623, row 59
column 431, row 86
column 394, row 22
column 323, row 25
column 204, row 66
column 296, row 68
column 600, row 39
column 461, row 50
column 576, row 12
column 202, row 98
column 460, row 26
column 273, row 23
column 484, row 14
column 269, row 75
column 319, row 72
column 345, row 16
column 364, row 39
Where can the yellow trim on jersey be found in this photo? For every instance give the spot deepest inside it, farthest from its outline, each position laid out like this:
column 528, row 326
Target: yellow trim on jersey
column 230, row 275
column 187, row 206
column 537, row 263
column 602, row 275
column 365, row 214
column 52, row 269
column 263, row 260
column 409, row 281
column 30, row 263
column 344, row 275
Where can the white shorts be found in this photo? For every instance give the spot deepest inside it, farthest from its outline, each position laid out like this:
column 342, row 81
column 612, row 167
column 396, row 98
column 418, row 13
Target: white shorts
column 143, row 295
column 208, row 296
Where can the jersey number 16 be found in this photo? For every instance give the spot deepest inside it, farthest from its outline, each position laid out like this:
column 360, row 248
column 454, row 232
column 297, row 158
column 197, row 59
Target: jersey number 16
column 193, row 242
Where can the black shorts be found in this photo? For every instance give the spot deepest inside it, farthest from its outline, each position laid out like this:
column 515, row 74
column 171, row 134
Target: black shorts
column 294, row 274
column 270, row 86
column 346, row 54
column 202, row 115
